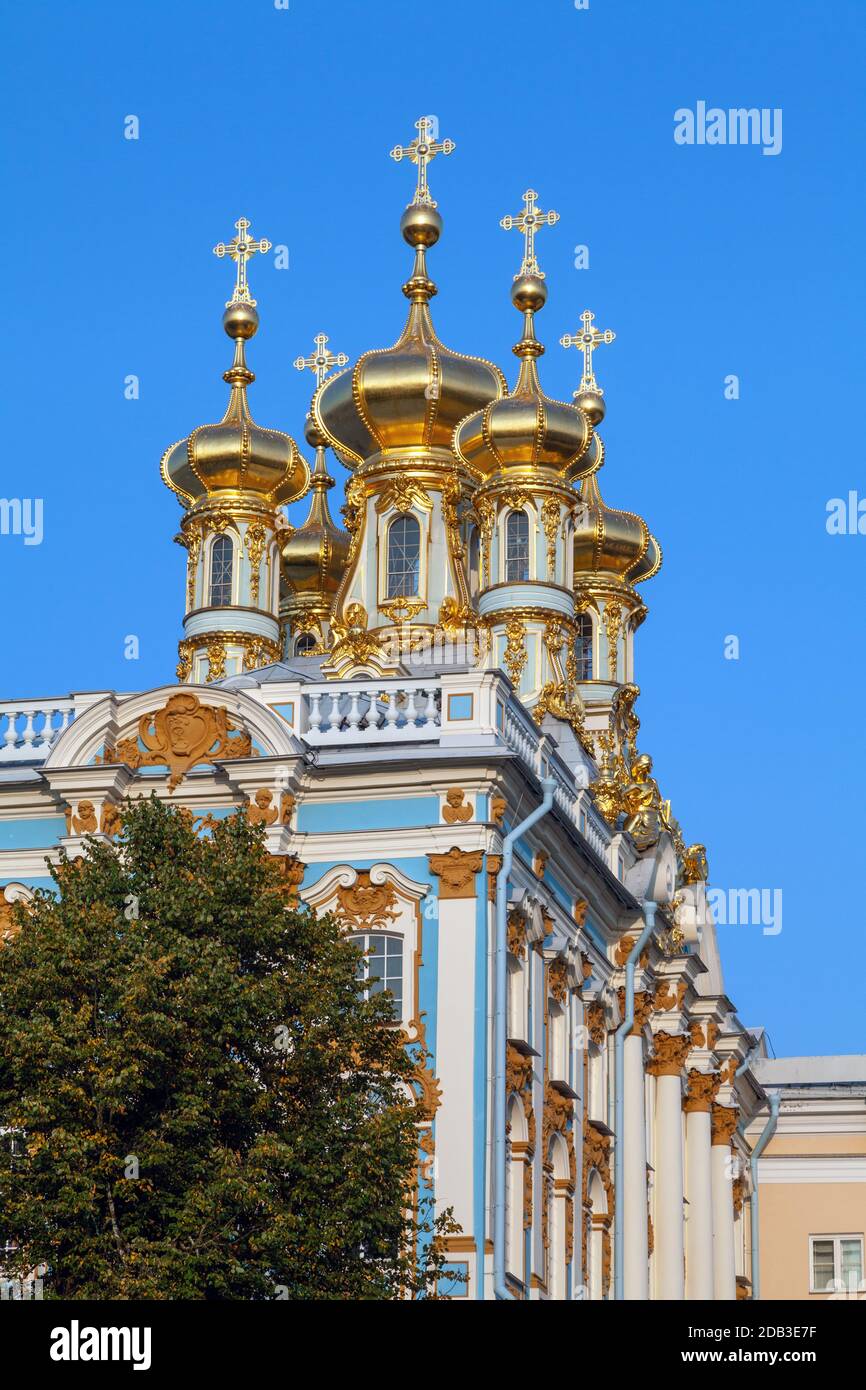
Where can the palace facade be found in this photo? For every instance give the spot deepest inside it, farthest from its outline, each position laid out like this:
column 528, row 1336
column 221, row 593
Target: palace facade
column 432, row 709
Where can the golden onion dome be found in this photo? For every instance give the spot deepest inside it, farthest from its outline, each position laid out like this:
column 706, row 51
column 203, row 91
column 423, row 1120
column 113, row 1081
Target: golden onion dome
column 528, row 429
column 610, row 543
column 313, row 557
column 236, row 455
column 410, row 397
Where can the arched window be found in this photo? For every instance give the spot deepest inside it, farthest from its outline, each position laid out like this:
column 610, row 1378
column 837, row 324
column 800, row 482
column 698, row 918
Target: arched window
column 221, row 565
column 382, row 965
column 518, row 1156
column 404, row 557
column 304, row 644
column 583, row 647
column 517, row 547
column 474, row 562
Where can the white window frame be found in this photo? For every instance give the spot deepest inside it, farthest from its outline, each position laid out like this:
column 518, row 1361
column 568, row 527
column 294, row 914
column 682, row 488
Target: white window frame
column 837, row 1259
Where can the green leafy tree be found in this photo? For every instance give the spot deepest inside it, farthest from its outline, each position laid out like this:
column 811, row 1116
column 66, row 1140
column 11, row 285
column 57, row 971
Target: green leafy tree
column 199, row 1099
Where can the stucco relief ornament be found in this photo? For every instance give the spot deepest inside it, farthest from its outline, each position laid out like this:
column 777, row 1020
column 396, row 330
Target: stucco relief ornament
column 456, row 871
column 695, row 869
column 456, row 808
column 702, row 1090
column 642, row 804
column 367, row 905
column 184, row 732
column 671, row 1051
column 557, row 980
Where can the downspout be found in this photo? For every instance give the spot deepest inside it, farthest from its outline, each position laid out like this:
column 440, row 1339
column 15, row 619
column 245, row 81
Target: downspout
column 622, row 1032
column 775, row 1099
column 500, row 1027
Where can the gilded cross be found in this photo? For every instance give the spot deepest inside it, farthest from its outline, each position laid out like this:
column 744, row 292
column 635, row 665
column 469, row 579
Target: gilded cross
column 240, row 248
column 422, row 149
column 528, row 222
column 322, row 360
column 588, row 340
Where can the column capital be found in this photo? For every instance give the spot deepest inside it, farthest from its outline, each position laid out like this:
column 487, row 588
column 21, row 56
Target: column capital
column 703, row 1087
column 643, row 1008
column 671, row 1051
column 456, row 872
column 724, row 1123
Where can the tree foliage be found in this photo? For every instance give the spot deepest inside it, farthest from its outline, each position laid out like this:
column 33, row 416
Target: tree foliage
column 204, row 1102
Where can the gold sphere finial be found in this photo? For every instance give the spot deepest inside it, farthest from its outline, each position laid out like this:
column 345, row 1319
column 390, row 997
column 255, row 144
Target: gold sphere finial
column 529, row 293
column 421, row 224
column 240, row 320
column 592, row 405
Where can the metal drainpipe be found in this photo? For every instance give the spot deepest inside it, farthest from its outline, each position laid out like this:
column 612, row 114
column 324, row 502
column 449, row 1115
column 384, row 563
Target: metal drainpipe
column 622, row 1032
column 500, row 1026
column 767, row 1133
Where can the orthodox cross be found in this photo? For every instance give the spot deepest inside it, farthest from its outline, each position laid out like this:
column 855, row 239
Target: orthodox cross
column 322, row 360
column 588, row 340
column 240, row 248
column 528, row 222
column 422, row 149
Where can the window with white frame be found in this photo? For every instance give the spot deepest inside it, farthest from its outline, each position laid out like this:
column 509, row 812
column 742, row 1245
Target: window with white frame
column 835, row 1263
column 404, row 558
column 382, row 965
column 221, row 566
column 517, row 548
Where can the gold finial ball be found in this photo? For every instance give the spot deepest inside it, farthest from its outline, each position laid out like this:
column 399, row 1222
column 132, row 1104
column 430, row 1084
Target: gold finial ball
column 592, row 405
column 240, row 320
column 528, row 292
column 313, row 434
column 421, row 225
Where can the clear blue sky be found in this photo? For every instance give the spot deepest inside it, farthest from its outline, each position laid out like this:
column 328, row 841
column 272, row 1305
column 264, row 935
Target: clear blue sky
column 707, row 261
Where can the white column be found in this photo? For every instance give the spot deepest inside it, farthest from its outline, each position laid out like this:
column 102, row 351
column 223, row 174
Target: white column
column 455, row 1049
column 724, row 1122
column 666, row 1066
column 634, row 1213
column 699, row 1189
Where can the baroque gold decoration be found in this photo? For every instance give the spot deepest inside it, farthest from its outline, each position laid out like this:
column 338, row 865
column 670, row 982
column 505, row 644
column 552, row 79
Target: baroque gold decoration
column 701, row 1093
column 421, row 151
column 456, row 809
column 643, row 1010
column 255, row 544
column 109, row 819
column 184, row 732
column 185, row 649
column 595, row 1023
column 456, row 872
column 84, row 822
column 261, row 808
column 494, row 864
column 402, row 610
column 216, row 659
column 695, row 864
column 402, row 494
column 515, row 649
column 529, row 222
column 517, row 935
column 292, row 873
column 587, row 340
column 578, row 912
column 366, row 906
column 241, row 248
column 351, row 635
column 671, row 1051
column 557, row 980
column 498, row 807
column 550, row 515
column 723, row 1124
column 611, row 618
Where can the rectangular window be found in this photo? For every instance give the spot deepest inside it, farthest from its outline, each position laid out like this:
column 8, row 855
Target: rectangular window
column 835, row 1264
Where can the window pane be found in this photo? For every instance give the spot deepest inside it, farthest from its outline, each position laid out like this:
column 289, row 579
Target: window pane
column 221, row 572
column 382, row 965
column 404, row 557
column 583, row 647
column 852, row 1261
column 517, row 547
column 822, row 1263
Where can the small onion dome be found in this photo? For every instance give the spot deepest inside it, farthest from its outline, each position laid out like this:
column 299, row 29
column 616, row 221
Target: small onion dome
column 237, row 454
column 527, row 429
column 313, row 557
column 409, row 396
column 612, row 543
